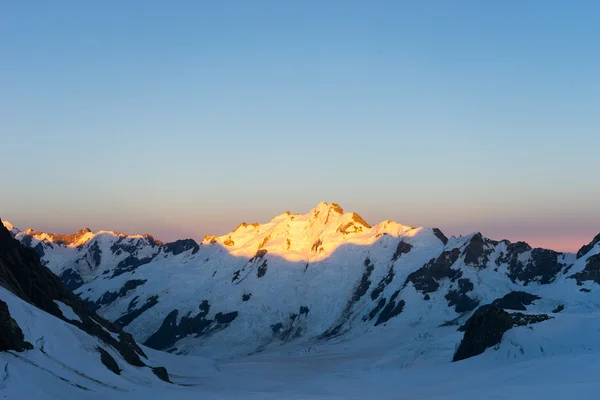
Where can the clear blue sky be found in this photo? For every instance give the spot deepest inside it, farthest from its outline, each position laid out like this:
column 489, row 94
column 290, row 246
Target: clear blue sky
column 184, row 118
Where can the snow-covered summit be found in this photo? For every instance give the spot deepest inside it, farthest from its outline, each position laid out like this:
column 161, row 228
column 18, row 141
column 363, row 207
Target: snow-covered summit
column 315, row 235
column 11, row 228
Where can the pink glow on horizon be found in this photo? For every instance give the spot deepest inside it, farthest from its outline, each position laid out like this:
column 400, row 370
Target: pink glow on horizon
column 566, row 240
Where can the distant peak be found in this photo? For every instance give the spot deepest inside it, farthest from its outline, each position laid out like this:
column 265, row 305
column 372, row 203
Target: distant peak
column 8, row 225
column 59, row 238
column 5, row 234
column 440, row 235
column 586, row 249
column 360, row 220
column 244, row 225
column 327, row 207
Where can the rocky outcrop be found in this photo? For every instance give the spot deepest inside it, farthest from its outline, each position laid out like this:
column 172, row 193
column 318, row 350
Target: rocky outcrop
column 440, row 235
column 180, row 246
column 391, row 309
column 71, row 279
column 170, row 331
column 591, row 271
column 486, row 327
column 108, row 361
column 109, row 297
column 11, row 335
column 130, row 264
column 543, row 266
column 516, row 300
column 586, row 249
column 477, row 252
column 459, row 299
column 133, row 313
column 426, row 279
column 161, row 373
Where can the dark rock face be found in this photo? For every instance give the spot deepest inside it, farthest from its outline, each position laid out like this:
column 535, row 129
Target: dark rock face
column 459, row 299
column 294, row 327
column 360, row 289
column 108, row 361
column 543, row 265
column 558, row 309
column 316, row 246
column 486, row 327
column 259, row 255
column 363, row 285
column 391, row 310
column 426, row 278
column 71, row 279
column 386, row 280
column 373, row 313
column 39, row 249
column 170, row 332
column 586, row 249
column 109, row 297
column 258, row 262
column 516, row 300
column 277, row 328
column 23, row 275
column 483, row 330
column 132, row 313
column 440, row 236
column 161, row 373
column 403, row 248
column 226, row 318
column 11, row 335
column 512, row 253
column 132, row 245
column 246, row 296
column 130, row 264
column 180, row 246
column 477, row 252
column 96, row 254
column 591, row 271
column 262, row 269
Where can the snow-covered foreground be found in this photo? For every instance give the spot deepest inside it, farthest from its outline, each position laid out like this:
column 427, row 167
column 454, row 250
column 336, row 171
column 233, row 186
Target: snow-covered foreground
column 331, row 376
column 555, row 359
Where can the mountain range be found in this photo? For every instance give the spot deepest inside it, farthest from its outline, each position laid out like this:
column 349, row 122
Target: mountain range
column 328, row 276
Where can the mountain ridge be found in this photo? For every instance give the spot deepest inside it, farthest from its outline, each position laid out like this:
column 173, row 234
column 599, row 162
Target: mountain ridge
column 36, row 314
column 86, row 234
column 310, row 278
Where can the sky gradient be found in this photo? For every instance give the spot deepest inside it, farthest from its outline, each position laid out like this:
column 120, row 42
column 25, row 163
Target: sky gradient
column 187, row 118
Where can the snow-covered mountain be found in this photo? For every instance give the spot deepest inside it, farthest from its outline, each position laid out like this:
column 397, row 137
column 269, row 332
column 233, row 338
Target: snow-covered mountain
column 320, row 305
column 48, row 334
column 318, row 278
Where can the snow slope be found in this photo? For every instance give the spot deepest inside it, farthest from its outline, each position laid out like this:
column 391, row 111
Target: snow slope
column 515, row 370
column 64, row 360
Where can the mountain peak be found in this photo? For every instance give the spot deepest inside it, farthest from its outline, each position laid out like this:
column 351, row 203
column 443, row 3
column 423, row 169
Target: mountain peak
column 79, row 237
column 585, row 249
column 8, row 225
column 324, row 207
